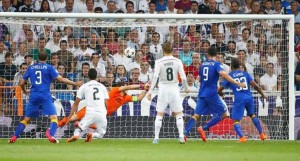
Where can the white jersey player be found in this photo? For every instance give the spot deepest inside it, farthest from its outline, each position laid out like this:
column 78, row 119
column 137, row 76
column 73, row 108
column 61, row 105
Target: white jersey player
column 167, row 70
column 95, row 95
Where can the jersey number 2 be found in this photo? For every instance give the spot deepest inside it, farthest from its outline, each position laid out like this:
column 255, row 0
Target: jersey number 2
column 96, row 91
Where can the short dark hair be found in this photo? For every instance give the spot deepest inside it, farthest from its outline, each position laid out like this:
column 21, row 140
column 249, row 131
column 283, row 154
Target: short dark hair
column 235, row 64
column 43, row 55
column 92, row 74
column 212, row 51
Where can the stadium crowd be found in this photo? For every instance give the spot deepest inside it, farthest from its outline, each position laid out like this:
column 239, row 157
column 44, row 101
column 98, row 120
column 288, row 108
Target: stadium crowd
column 262, row 45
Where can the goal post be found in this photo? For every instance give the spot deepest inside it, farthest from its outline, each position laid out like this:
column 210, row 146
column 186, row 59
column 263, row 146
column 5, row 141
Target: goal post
column 138, row 118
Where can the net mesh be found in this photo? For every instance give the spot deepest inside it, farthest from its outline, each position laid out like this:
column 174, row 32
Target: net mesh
column 265, row 43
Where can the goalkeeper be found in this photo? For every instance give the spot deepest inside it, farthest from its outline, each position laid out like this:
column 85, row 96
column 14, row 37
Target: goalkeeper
column 117, row 97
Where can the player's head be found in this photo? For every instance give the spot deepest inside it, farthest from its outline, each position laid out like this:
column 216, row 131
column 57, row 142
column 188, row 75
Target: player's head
column 168, row 48
column 43, row 55
column 235, row 64
column 92, row 74
column 212, row 52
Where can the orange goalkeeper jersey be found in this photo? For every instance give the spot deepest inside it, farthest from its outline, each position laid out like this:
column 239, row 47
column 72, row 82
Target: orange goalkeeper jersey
column 113, row 103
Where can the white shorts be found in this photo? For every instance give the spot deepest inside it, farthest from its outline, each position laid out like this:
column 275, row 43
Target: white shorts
column 94, row 118
column 168, row 94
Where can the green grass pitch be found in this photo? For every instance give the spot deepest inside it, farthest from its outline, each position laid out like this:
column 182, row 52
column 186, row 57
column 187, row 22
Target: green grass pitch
column 144, row 150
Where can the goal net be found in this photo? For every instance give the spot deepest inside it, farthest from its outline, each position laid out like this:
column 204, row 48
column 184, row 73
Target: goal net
column 76, row 42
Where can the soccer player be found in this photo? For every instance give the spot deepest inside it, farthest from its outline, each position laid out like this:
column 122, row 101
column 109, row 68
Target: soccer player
column 243, row 98
column 167, row 69
column 117, row 97
column 41, row 75
column 96, row 97
column 208, row 101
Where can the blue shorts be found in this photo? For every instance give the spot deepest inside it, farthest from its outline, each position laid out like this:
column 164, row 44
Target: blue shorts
column 210, row 105
column 239, row 107
column 40, row 101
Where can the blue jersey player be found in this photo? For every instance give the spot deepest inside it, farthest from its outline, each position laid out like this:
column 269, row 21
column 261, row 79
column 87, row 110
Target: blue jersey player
column 243, row 98
column 208, row 101
column 40, row 75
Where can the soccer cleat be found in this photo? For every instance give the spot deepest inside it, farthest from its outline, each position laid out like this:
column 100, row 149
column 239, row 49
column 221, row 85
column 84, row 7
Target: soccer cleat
column 262, row 136
column 53, row 140
column 89, row 137
column 202, row 133
column 72, row 139
column 242, row 140
column 12, row 139
column 47, row 133
column 182, row 140
column 155, row 141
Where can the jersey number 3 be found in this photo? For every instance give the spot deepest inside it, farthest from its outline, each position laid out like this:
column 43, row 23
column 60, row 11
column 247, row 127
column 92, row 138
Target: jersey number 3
column 38, row 77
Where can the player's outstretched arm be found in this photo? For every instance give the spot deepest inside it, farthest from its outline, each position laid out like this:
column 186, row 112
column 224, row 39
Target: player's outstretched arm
column 229, row 79
column 74, row 108
column 258, row 89
column 67, row 81
column 132, row 87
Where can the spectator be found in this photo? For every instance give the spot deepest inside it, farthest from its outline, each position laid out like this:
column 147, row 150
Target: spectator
column 3, row 31
column 253, row 56
column 136, row 62
column 279, row 84
column 234, row 8
column 212, row 7
column 8, row 69
column 89, row 7
column 241, row 56
column 177, row 42
column 54, row 61
column 148, row 56
column 61, row 68
column 41, row 47
column 220, row 45
column 120, row 74
column 83, row 53
column 2, row 52
column 145, row 75
column 220, row 58
column 171, row 7
column 203, row 7
column 195, row 66
column 185, row 5
column 120, row 58
column 152, row 8
column 111, row 41
column 278, row 9
column 106, row 58
column 66, row 57
column 109, row 80
column 271, row 55
column 247, row 6
column 156, row 47
column 100, row 68
column 58, row 5
column 19, row 75
column 194, row 8
column 19, row 56
column 186, row 53
column 231, row 53
column 95, row 42
column 134, row 76
column 130, row 7
column 80, row 6
column 191, row 83
column 6, row 6
column 71, row 44
column 53, row 45
column 20, row 36
column 204, row 49
column 83, row 75
column 45, row 6
column 268, row 7
column 46, row 33
column 30, row 42
column 262, row 44
column 27, row 7
column 234, row 33
column 29, row 59
column 102, row 4
column 241, row 45
column 255, row 7
column 269, row 80
column 111, row 7
column 295, row 12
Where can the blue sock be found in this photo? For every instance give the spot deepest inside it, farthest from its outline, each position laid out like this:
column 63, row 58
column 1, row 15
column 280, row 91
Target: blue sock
column 257, row 124
column 189, row 126
column 212, row 122
column 20, row 128
column 53, row 127
column 238, row 129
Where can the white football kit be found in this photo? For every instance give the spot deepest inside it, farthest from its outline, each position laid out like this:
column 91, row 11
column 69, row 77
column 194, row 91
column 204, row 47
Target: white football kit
column 95, row 95
column 167, row 70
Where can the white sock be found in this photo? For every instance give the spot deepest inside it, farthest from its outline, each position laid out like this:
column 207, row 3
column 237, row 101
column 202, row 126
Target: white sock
column 158, row 123
column 179, row 123
column 97, row 135
column 77, row 132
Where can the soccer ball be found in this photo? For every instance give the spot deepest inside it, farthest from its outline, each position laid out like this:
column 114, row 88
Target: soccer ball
column 129, row 52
